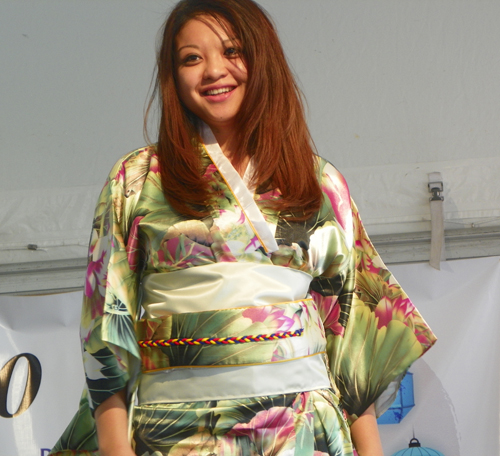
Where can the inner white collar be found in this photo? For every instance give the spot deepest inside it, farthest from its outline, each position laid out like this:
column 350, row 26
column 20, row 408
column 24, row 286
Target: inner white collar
column 241, row 189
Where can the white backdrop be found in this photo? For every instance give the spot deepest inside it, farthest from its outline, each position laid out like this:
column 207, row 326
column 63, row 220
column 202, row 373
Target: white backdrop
column 456, row 383
column 395, row 90
column 46, row 327
column 457, row 390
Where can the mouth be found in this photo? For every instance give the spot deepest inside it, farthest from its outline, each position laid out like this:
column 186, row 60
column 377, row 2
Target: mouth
column 218, row 91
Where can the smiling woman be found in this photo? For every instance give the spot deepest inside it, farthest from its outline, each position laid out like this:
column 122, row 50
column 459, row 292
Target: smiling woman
column 211, row 76
column 271, row 105
column 233, row 301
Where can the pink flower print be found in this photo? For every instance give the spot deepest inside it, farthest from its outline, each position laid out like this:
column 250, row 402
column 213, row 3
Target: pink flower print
column 423, row 338
column 161, row 258
column 171, row 253
column 253, row 245
column 274, row 317
column 154, row 166
column 399, row 308
column 171, row 247
column 270, row 430
column 364, row 244
column 257, row 313
column 329, row 311
column 186, row 244
column 120, row 175
column 211, row 169
column 366, row 263
column 338, row 193
column 132, row 247
column 242, row 218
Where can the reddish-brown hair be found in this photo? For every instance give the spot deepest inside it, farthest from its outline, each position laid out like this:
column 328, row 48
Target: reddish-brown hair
column 271, row 125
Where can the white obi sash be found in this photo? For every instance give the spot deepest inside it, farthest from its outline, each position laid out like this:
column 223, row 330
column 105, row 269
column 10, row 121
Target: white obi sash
column 263, row 307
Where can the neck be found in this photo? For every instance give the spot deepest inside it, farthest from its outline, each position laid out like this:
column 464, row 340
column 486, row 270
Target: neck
column 229, row 144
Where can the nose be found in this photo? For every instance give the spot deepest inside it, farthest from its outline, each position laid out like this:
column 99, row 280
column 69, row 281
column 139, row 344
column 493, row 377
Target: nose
column 215, row 67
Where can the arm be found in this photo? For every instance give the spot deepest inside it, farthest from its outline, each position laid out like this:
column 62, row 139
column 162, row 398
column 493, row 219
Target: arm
column 112, row 426
column 365, row 436
column 108, row 315
column 373, row 331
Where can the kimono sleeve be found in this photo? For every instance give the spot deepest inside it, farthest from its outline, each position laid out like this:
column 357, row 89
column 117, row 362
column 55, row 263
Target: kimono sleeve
column 374, row 332
column 110, row 352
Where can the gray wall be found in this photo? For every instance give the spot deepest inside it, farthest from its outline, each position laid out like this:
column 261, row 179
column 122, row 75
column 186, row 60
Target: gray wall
column 395, row 90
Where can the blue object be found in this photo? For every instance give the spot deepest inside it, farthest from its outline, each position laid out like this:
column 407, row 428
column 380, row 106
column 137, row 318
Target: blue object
column 415, row 449
column 403, row 403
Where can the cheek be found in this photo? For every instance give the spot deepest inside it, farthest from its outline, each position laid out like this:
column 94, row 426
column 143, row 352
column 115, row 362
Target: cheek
column 244, row 75
column 185, row 85
column 242, row 72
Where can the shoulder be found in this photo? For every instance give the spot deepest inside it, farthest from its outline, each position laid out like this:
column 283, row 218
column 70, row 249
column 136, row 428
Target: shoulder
column 335, row 191
column 130, row 172
column 332, row 182
column 143, row 158
column 328, row 172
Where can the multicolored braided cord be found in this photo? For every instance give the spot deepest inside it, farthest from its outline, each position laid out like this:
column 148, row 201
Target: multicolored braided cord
column 219, row 340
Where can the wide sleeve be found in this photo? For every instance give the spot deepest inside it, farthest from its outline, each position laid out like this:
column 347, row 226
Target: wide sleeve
column 109, row 348
column 374, row 332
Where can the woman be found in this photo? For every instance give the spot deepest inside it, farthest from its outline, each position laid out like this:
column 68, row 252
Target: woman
column 231, row 286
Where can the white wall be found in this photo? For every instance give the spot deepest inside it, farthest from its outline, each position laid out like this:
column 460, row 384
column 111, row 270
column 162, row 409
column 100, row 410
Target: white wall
column 457, row 382
column 395, row 90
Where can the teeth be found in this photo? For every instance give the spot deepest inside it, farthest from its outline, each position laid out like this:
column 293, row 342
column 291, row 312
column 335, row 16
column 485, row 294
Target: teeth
column 218, row 91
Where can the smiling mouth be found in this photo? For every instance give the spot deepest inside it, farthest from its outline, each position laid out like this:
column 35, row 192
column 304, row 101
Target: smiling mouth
column 218, row 91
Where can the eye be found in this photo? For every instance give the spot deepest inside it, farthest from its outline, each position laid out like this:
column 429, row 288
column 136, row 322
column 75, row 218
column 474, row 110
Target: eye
column 232, row 52
column 190, row 59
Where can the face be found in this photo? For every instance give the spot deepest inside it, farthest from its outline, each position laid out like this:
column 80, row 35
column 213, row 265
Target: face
column 211, row 74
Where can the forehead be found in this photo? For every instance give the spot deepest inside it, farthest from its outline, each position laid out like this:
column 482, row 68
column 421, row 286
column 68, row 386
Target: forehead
column 203, row 28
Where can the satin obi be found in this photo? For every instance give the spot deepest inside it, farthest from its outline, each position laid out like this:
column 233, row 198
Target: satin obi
column 243, row 320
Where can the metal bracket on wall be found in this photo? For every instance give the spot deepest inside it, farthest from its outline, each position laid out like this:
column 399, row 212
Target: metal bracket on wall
column 436, row 186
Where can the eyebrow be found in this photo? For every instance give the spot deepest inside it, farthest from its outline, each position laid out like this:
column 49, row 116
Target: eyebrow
column 188, row 45
column 198, row 47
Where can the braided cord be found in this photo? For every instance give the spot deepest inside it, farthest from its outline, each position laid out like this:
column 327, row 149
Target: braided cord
column 219, row 340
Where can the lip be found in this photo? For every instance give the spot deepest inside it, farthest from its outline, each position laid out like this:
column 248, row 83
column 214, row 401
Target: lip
column 220, row 96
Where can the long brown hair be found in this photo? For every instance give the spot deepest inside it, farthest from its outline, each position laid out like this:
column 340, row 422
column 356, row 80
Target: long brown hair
column 271, row 125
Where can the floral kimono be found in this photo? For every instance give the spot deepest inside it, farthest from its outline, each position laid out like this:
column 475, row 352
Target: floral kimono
column 242, row 333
